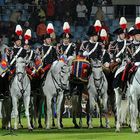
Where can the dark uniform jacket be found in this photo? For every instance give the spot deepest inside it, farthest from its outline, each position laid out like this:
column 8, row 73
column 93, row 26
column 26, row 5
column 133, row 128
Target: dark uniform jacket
column 72, row 50
column 88, row 46
column 117, row 46
column 51, row 57
column 134, row 46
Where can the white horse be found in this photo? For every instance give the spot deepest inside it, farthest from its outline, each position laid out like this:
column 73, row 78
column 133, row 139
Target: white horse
column 20, row 87
column 97, row 89
column 134, row 96
column 122, row 106
column 56, row 82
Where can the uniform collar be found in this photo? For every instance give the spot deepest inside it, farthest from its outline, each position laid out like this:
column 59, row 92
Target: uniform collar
column 46, row 44
column 15, row 46
column 120, row 40
column 65, row 44
column 92, row 41
column 136, row 42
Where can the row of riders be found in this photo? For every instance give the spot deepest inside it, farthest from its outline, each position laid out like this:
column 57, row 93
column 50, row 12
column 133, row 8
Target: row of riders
column 47, row 66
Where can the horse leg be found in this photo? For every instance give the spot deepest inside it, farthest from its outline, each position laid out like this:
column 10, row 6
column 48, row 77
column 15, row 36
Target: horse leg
column 53, row 113
column 80, row 110
column 15, row 111
column 49, row 112
column 61, row 111
column 100, row 113
column 19, row 113
column 59, row 103
column 26, row 104
column 91, row 108
column 41, row 98
column 87, row 110
column 74, row 110
column 105, row 99
column 118, row 106
column 31, row 111
column 134, row 113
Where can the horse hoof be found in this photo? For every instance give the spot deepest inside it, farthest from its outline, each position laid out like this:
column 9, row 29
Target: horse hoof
column 53, row 125
column 20, row 125
column 101, row 126
column 30, row 129
column 76, row 126
column 40, row 126
column 61, row 125
column 117, row 130
column 90, row 127
column 108, row 127
column 59, row 128
column 47, row 128
column 135, row 131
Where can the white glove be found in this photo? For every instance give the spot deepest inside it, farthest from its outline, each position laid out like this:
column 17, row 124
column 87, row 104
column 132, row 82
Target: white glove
column 118, row 60
column 86, row 54
column 106, row 64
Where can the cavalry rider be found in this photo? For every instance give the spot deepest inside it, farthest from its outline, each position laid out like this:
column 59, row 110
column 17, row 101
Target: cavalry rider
column 66, row 48
column 48, row 52
column 18, row 49
column 135, row 47
column 4, row 67
column 92, row 48
column 120, row 51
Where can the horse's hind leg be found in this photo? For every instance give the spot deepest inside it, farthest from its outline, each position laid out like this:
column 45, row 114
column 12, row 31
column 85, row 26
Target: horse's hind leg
column 74, row 109
column 134, row 114
column 105, row 99
column 59, row 103
column 26, row 104
column 118, row 107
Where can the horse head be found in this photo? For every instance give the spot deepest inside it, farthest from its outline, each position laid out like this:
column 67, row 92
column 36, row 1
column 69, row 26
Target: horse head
column 64, row 76
column 20, row 67
column 97, row 71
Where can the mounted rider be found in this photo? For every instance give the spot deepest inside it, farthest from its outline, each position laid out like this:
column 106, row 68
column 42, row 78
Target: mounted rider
column 120, row 51
column 131, row 67
column 66, row 48
column 48, row 51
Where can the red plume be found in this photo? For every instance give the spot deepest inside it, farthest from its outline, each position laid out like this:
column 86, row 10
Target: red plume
column 103, row 35
column 137, row 23
column 50, row 28
column 27, row 36
column 18, row 30
column 66, row 27
column 123, row 23
column 97, row 25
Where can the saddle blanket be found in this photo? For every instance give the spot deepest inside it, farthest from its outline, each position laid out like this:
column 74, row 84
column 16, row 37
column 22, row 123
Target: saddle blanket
column 80, row 70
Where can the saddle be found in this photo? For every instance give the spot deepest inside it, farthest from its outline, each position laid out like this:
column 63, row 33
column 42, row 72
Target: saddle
column 113, row 66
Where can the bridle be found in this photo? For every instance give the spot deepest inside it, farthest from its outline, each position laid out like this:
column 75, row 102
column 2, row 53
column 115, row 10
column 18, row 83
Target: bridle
column 100, row 79
column 20, row 81
column 59, row 85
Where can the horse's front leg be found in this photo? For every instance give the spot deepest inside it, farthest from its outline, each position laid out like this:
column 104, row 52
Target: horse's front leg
column 26, row 104
column 118, row 108
column 134, row 112
column 105, row 99
column 91, row 109
column 15, row 110
column 49, row 111
column 59, row 103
